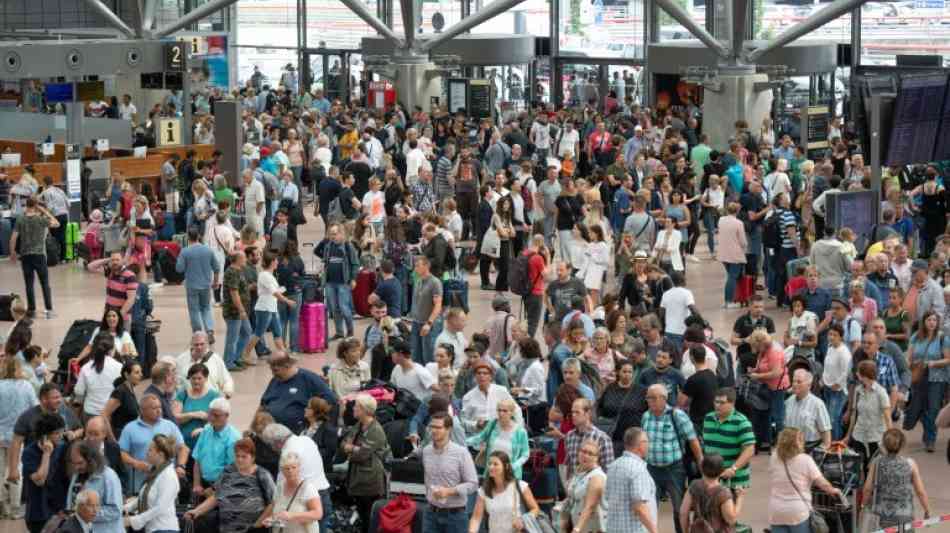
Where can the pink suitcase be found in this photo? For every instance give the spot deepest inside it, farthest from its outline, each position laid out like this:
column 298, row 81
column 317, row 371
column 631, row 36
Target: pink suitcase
column 312, row 335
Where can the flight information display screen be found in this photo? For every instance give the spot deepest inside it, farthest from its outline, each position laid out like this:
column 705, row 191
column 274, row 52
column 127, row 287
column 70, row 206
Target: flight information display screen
column 917, row 117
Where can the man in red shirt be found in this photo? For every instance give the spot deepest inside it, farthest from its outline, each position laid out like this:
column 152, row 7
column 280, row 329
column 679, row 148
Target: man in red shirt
column 598, row 145
column 534, row 302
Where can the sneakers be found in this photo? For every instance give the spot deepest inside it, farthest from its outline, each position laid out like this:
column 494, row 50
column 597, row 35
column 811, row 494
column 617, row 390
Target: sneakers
column 156, row 285
column 692, row 258
column 733, row 305
column 50, row 314
column 930, row 447
column 488, row 287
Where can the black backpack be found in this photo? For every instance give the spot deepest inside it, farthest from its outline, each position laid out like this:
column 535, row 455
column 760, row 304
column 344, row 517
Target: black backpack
column 519, row 281
column 772, row 231
column 53, row 254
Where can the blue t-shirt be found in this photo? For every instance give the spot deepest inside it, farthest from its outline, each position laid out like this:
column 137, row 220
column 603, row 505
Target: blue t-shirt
column 672, row 378
column 286, row 400
column 198, row 263
column 43, row 502
column 390, row 291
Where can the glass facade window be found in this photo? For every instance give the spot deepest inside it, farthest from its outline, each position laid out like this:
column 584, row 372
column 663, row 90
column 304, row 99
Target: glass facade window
column 601, row 28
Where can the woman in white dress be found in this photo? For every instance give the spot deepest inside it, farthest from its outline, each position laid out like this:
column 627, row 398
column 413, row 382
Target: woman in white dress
column 598, row 260
column 504, row 501
column 296, row 507
column 666, row 251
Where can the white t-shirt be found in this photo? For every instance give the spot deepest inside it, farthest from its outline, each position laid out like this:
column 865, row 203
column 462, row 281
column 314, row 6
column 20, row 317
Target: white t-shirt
column 688, row 369
column 374, row 202
column 253, row 195
column 267, row 287
column 95, row 387
column 126, row 111
column 542, row 135
column 568, row 142
column 676, row 302
column 418, row 381
column 501, row 505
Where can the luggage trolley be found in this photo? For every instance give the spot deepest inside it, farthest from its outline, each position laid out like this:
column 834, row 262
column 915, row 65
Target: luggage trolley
column 842, row 468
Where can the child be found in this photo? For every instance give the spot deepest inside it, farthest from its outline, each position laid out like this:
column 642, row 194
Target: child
column 93, row 236
column 567, row 165
column 389, row 289
column 453, row 220
column 847, row 238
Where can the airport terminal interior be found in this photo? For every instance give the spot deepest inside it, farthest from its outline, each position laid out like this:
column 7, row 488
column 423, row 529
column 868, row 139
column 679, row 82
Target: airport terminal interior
column 94, row 88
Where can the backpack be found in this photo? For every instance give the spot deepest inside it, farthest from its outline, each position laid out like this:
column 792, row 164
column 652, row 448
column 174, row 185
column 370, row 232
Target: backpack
column 335, row 212
column 772, row 231
column 519, row 281
column 725, row 370
column 700, row 523
column 397, row 515
column 527, row 197
column 450, row 263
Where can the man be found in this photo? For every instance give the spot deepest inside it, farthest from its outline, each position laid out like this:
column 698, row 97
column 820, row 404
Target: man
column 879, row 328
column 560, row 293
column 582, row 414
column 54, row 199
column 840, row 314
column 925, row 292
column 498, row 327
column 533, row 301
column 466, row 380
column 754, row 211
column 137, row 437
column 86, row 510
column 219, row 378
column 214, row 449
column 441, row 402
column 436, row 248
column 728, row 433
column 746, row 324
column 373, row 147
column 50, row 402
column 443, row 178
column 497, row 154
column 340, row 267
column 632, row 147
column 426, row 312
column 901, row 266
column 200, row 267
column 699, row 392
column 450, row 478
column 663, row 372
column 235, row 311
column 480, row 404
column 569, row 214
column 127, row 110
column 280, row 438
column 699, row 154
column 30, row 231
column 676, row 305
column 408, row 374
column 630, row 490
column 568, row 141
column 291, row 388
column 254, row 202
column 548, row 192
column 98, row 434
column 121, row 285
column 887, row 374
column 670, row 431
column 817, row 298
column 454, row 334
column 415, row 161
column 640, row 224
column 540, row 137
column 695, row 337
column 807, row 413
column 599, row 146
column 832, row 266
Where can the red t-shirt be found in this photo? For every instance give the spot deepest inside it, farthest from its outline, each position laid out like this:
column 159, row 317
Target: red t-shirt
column 536, row 267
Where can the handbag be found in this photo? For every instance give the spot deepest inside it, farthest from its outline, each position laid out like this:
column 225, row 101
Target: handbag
column 918, row 367
column 816, row 522
column 755, row 394
column 539, row 523
column 689, row 462
column 491, row 243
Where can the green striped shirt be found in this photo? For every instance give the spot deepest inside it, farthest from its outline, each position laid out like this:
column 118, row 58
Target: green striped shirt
column 728, row 438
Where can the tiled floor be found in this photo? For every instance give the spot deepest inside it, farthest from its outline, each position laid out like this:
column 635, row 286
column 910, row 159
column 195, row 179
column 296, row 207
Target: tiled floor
column 78, row 294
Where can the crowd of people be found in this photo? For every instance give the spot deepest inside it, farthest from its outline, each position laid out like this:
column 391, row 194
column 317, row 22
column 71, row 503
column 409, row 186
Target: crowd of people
column 589, row 223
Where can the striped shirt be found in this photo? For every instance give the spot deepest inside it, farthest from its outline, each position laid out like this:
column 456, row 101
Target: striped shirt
column 787, row 220
column 118, row 287
column 629, row 482
column 810, row 416
column 728, row 439
column 666, row 447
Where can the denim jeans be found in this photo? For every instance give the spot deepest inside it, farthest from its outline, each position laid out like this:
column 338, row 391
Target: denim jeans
column 671, row 480
column 935, row 393
column 138, row 339
column 327, row 504
column 532, row 308
column 444, row 522
column 423, row 348
column 199, row 309
column 710, row 219
column 780, row 273
column 549, row 222
column 777, row 411
column 238, row 334
column 290, row 320
column 803, row 527
column 339, row 299
column 733, row 273
column 836, row 401
column 677, row 341
column 564, row 240
column 265, row 321
column 34, row 265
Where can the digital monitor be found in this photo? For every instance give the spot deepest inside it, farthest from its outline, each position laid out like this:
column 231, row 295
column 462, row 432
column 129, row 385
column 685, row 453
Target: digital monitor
column 916, row 119
column 90, row 91
column 59, row 92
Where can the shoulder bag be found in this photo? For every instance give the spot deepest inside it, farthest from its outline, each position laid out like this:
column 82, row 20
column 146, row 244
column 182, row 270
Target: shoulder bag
column 689, row 462
column 816, row 521
column 870, row 521
column 539, row 523
column 491, row 243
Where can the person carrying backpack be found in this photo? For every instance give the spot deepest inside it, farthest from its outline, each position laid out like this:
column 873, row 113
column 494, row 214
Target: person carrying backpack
column 340, row 266
column 707, row 505
column 526, row 279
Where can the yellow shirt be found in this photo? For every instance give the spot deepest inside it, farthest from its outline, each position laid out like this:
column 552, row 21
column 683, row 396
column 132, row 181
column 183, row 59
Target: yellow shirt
column 348, row 144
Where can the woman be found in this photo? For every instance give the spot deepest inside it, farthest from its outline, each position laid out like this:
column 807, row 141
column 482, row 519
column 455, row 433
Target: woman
column 503, row 435
column 365, row 447
column 532, row 383
column 44, row 486
column 349, row 371
column 322, row 430
column 622, row 404
column 802, row 329
column 602, row 356
column 290, row 272
column 681, row 215
column 265, row 456
column 295, row 153
column 204, row 205
column 296, row 507
column 224, row 196
column 96, row 378
column 928, row 347
column 16, row 395
column 892, row 482
column 635, row 284
column 502, row 223
column 770, row 370
column 870, row 414
column 122, row 406
column 792, row 473
column 90, row 472
column 114, row 326
column 863, row 309
column 834, row 377
column 195, row 401
column 621, row 341
column 585, row 510
column 896, row 319
column 503, row 496
column 154, row 509
column 241, row 495
column 575, row 338
column 445, row 359
column 654, row 341
column 220, row 237
column 141, row 227
column 666, row 251
column 732, row 251
column 597, row 262
column 706, row 498
column 269, row 293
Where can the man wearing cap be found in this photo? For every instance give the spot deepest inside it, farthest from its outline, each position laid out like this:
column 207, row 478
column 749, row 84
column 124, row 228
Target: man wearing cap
column 924, row 294
column 840, row 314
column 479, row 405
column 410, row 375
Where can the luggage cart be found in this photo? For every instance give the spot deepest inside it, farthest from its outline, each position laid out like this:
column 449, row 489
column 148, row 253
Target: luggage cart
column 113, row 239
column 844, row 471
